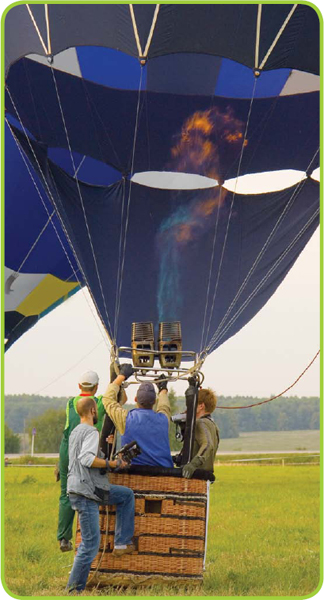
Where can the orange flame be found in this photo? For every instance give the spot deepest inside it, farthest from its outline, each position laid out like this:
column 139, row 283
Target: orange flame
column 205, row 137
column 197, row 217
column 184, row 233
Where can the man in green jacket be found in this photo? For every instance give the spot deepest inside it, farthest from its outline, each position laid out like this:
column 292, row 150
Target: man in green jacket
column 206, row 435
column 88, row 385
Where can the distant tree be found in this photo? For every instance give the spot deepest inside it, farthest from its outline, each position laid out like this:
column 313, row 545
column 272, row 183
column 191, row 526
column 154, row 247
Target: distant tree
column 12, row 441
column 226, row 422
column 282, row 421
column 19, row 408
column 49, row 428
column 315, row 421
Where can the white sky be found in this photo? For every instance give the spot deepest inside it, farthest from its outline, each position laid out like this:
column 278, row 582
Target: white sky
column 264, row 358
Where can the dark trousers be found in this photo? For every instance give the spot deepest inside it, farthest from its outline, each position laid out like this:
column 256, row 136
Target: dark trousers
column 66, row 512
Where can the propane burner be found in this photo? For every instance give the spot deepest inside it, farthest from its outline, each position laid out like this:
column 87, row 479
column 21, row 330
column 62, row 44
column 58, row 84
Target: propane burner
column 170, row 344
column 143, row 339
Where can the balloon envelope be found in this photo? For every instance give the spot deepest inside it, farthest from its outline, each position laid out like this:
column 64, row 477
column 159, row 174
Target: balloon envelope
column 92, row 121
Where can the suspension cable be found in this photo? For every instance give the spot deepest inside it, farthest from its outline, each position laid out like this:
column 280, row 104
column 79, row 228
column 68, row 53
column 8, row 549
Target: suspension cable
column 260, row 255
column 278, row 395
column 68, row 370
column 50, row 216
column 44, row 204
column 150, row 36
column 128, row 201
column 257, row 36
column 35, row 242
column 48, row 31
column 264, row 279
column 81, row 198
column 80, row 165
column 119, row 254
column 231, row 208
column 212, row 258
column 97, row 313
column 50, row 195
column 278, row 36
column 141, row 54
column 37, row 29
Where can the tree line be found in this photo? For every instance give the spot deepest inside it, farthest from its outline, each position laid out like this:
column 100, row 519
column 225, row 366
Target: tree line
column 282, row 414
column 47, row 416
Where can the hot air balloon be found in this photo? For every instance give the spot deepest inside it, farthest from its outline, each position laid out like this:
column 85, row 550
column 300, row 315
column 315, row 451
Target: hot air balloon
column 191, row 102
column 125, row 127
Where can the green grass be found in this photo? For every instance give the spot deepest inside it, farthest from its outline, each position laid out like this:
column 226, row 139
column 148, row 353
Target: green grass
column 266, row 441
column 263, row 535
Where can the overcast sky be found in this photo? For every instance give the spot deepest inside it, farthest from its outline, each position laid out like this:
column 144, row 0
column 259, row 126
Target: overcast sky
column 264, row 358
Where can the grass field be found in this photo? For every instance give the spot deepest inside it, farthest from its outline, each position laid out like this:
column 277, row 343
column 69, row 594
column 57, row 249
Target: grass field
column 263, row 535
column 267, row 441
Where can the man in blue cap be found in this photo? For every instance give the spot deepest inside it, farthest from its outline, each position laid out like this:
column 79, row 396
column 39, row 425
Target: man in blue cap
column 148, row 427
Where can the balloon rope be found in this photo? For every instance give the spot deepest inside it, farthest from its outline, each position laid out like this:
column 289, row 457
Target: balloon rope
column 51, row 197
column 265, row 278
column 37, row 30
column 103, row 548
column 36, row 242
column 49, row 45
column 278, row 36
column 255, row 264
column 278, row 395
column 50, row 216
column 81, row 199
column 119, row 255
column 149, row 39
column 128, row 203
column 80, row 165
column 137, row 39
column 93, row 111
column 257, row 36
column 42, row 200
column 96, row 314
column 212, row 257
column 68, row 370
column 144, row 54
column 259, row 257
column 231, row 209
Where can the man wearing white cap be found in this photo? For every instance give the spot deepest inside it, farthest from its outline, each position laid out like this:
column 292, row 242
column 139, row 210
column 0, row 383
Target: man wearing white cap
column 88, row 385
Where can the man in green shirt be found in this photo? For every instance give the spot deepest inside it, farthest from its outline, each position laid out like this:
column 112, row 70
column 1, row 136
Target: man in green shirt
column 206, row 435
column 88, row 385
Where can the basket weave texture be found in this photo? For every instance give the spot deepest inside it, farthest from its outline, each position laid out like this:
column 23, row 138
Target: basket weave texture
column 170, row 525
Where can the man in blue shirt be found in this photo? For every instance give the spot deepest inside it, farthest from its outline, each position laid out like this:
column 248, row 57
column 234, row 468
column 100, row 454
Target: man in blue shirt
column 148, row 427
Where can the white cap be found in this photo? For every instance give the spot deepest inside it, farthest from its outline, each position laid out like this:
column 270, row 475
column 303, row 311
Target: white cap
column 89, row 379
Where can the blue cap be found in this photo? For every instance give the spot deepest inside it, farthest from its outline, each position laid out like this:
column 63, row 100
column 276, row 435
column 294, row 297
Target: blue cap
column 146, row 393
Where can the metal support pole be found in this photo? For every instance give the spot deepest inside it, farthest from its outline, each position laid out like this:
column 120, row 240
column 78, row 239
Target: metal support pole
column 189, row 433
column 108, row 427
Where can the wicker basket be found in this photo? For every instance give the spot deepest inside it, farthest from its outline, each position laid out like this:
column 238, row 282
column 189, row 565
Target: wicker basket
column 170, row 533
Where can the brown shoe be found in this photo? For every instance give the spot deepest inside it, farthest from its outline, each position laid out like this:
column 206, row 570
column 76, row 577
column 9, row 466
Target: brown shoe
column 120, row 551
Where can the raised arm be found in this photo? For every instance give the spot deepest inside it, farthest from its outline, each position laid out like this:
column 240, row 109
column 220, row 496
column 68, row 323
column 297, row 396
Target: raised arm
column 163, row 404
column 113, row 409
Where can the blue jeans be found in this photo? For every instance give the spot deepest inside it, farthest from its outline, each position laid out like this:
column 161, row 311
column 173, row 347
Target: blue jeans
column 88, row 511
column 123, row 498
column 90, row 531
